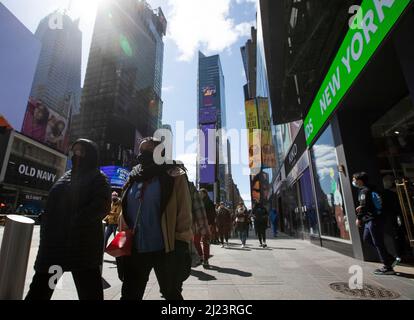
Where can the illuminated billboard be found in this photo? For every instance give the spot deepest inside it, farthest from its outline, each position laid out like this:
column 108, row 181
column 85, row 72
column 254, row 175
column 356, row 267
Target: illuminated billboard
column 46, row 126
column 117, row 176
column 207, row 170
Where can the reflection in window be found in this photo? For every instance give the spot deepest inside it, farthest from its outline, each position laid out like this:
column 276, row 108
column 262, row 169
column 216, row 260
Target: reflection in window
column 333, row 219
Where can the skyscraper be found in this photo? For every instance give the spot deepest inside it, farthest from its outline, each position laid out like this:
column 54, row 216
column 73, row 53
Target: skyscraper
column 121, row 98
column 211, row 115
column 19, row 53
column 57, row 81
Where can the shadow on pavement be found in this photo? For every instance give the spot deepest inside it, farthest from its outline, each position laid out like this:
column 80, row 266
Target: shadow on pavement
column 240, row 249
column 202, row 276
column 231, row 271
column 404, row 275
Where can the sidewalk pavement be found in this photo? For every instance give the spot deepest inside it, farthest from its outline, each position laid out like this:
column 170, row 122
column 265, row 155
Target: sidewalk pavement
column 288, row 269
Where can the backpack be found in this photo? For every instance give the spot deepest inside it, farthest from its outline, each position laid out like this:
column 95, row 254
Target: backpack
column 377, row 202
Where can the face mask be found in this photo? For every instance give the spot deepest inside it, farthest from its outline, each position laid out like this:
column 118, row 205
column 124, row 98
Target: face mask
column 76, row 161
column 355, row 184
column 114, row 199
column 146, row 158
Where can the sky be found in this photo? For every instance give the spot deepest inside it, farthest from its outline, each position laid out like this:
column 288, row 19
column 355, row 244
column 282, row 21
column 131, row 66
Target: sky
column 211, row 26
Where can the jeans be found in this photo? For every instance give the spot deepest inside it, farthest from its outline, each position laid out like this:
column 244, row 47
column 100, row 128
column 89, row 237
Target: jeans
column 374, row 235
column 88, row 285
column 243, row 236
column 261, row 234
column 203, row 252
column 110, row 229
column 171, row 270
column 274, row 228
column 137, row 269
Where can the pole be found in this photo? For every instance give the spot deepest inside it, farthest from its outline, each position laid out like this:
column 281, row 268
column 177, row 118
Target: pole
column 14, row 256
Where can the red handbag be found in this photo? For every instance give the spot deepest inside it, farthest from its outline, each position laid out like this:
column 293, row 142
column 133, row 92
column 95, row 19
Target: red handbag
column 121, row 246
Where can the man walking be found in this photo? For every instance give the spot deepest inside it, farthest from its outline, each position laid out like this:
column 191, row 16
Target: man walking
column 369, row 218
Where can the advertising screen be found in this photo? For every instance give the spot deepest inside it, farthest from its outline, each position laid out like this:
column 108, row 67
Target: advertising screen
column 46, row 126
column 208, row 115
column 209, row 93
column 254, row 136
column 267, row 146
column 207, row 170
column 117, row 176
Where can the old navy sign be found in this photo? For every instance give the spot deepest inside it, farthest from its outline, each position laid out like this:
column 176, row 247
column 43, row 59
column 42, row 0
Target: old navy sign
column 36, row 173
column 375, row 20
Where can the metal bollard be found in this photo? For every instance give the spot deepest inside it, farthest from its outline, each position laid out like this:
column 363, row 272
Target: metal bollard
column 14, row 256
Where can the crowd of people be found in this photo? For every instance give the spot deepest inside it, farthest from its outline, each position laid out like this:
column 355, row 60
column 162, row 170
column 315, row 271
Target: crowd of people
column 168, row 217
column 165, row 211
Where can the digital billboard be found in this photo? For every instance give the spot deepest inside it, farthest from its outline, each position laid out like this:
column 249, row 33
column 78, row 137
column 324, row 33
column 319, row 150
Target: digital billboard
column 252, row 123
column 208, row 115
column 46, row 126
column 267, row 146
column 207, row 170
column 209, row 93
column 117, row 176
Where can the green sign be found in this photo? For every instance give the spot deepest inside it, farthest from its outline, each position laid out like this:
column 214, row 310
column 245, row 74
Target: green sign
column 371, row 25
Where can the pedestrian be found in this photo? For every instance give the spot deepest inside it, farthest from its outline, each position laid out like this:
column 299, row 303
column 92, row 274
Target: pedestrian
column 261, row 222
column 112, row 218
column 242, row 223
column 273, row 220
column 200, row 226
column 369, row 218
column 211, row 215
column 157, row 204
column 71, row 235
column 393, row 215
column 224, row 224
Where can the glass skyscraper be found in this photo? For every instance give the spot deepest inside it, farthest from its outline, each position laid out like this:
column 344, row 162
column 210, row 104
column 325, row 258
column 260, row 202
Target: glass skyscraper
column 211, row 115
column 57, row 81
column 121, row 98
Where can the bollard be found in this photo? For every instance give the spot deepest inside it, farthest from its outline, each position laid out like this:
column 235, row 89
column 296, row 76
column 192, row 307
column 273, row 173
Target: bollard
column 14, row 256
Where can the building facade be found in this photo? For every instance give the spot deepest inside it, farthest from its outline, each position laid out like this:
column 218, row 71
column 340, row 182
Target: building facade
column 121, row 99
column 350, row 95
column 58, row 75
column 19, row 54
column 212, row 165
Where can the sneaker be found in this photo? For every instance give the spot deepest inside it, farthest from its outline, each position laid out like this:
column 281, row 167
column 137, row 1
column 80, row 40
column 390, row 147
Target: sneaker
column 264, row 245
column 222, row 245
column 384, row 271
column 396, row 262
column 206, row 264
column 243, row 246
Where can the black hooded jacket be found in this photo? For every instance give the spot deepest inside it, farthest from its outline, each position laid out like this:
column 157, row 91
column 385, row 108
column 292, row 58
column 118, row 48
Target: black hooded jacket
column 71, row 233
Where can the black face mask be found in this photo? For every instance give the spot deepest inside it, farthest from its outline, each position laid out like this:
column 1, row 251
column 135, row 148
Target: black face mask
column 77, row 162
column 146, row 158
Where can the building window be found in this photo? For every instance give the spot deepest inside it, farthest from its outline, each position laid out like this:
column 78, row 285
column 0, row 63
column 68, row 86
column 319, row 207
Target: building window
column 332, row 214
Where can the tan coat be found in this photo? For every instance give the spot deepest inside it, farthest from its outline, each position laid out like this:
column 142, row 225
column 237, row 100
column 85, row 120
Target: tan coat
column 113, row 217
column 176, row 220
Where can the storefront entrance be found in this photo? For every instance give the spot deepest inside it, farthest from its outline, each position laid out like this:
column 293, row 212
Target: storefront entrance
column 393, row 136
column 302, row 221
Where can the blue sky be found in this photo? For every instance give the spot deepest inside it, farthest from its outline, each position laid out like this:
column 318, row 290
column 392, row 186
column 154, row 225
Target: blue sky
column 212, row 26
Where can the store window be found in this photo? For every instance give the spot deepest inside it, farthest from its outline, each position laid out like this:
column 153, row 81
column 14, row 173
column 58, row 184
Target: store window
column 332, row 214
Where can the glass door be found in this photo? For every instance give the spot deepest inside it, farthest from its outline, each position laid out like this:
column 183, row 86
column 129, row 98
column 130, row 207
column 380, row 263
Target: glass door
column 308, row 207
column 393, row 135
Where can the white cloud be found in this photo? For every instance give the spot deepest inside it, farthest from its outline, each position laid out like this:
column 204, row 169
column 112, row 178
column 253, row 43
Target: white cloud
column 190, row 162
column 325, row 156
column 203, row 25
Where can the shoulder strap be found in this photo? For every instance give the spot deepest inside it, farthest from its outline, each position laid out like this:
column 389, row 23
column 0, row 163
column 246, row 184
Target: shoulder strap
column 141, row 198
